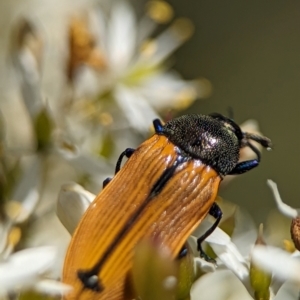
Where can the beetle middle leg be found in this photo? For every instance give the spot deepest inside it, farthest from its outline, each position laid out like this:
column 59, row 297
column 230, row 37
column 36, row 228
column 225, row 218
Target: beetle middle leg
column 216, row 212
column 183, row 252
column 127, row 152
column 106, row 182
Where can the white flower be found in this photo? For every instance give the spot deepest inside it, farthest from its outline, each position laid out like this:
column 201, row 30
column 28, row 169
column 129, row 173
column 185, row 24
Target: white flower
column 134, row 75
column 282, row 207
column 73, row 200
column 283, row 266
column 26, row 269
column 17, row 211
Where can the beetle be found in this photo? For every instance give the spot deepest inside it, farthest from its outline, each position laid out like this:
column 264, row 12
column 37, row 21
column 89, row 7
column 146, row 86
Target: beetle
column 164, row 190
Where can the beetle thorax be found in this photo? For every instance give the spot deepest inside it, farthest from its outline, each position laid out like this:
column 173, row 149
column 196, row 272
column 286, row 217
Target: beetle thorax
column 205, row 138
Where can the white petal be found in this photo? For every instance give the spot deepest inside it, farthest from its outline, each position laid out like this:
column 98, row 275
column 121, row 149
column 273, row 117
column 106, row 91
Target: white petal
column 146, row 27
column 86, row 82
column 82, row 161
column 164, row 90
column 203, row 265
column 220, row 238
column 30, row 81
column 52, row 287
column 288, row 291
column 24, row 267
column 137, row 110
column 251, row 126
column 245, row 232
column 282, row 207
column 121, row 36
column 27, row 190
column 168, row 41
column 73, row 200
column 278, row 262
column 219, row 285
column 3, row 236
column 228, row 253
column 98, row 27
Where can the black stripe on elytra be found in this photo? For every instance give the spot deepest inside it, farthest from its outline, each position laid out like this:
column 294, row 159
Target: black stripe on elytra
column 89, row 278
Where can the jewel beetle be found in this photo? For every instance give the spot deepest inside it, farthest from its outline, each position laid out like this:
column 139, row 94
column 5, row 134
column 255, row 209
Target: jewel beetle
column 164, row 190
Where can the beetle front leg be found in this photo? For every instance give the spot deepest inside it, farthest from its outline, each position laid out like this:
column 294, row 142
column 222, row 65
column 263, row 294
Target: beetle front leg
column 244, row 167
column 248, row 165
column 216, row 212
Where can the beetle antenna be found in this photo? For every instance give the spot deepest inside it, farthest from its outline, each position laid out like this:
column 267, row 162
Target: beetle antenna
column 264, row 141
column 255, row 150
column 230, row 112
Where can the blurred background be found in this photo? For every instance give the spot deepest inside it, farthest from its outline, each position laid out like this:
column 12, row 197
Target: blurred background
column 248, row 51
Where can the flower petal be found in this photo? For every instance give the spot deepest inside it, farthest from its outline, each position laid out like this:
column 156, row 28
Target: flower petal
column 27, row 190
column 24, row 267
column 288, row 291
column 52, row 287
column 121, row 36
column 137, row 110
column 168, row 90
column 245, row 231
column 276, row 261
column 219, row 285
column 282, row 207
column 73, row 200
column 27, row 57
column 228, row 253
column 171, row 39
column 94, row 166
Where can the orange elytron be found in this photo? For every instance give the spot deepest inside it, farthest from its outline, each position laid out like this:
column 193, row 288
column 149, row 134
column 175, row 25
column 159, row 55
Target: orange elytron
column 163, row 191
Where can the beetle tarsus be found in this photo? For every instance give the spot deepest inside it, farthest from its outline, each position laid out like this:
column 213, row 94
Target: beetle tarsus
column 216, row 212
column 205, row 256
column 127, row 152
column 158, row 126
column 106, row 182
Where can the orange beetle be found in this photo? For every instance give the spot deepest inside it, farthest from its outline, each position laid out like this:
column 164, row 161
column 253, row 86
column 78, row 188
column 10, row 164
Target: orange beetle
column 164, row 190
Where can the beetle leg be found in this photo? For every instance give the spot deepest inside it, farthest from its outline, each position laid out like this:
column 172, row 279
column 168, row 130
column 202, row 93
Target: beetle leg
column 106, row 182
column 127, row 152
column 248, row 165
column 216, row 212
column 244, row 166
column 183, row 252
